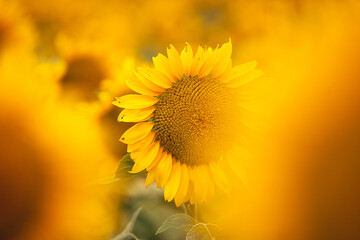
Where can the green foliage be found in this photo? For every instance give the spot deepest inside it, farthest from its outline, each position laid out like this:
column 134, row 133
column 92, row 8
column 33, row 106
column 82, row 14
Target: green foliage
column 177, row 221
column 194, row 229
column 200, row 231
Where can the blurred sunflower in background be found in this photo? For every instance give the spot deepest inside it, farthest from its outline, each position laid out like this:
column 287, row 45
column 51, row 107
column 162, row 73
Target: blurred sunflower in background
column 16, row 31
column 189, row 109
column 46, row 173
column 46, row 169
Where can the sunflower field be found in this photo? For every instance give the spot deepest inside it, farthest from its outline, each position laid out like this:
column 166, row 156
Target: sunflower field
column 171, row 120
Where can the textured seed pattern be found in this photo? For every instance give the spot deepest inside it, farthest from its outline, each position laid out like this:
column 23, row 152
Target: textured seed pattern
column 195, row 120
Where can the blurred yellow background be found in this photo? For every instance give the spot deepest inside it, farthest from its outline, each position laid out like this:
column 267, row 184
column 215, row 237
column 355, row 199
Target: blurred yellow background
column 63, row 62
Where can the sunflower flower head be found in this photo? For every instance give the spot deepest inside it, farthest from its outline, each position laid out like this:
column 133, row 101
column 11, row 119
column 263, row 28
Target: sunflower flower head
column 188, row 114
column 47, row 172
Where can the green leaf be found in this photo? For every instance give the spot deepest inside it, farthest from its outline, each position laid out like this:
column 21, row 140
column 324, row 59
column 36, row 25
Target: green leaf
column 125, row 165
column 199, row 231
column 177, row 221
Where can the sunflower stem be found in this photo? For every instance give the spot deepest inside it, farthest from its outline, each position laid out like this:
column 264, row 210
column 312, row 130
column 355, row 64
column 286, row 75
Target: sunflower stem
column 191, row 210
column 196, row 211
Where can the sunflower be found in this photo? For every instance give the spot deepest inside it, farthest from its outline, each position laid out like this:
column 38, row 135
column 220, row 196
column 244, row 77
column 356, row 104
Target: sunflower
column 16, row 30
column 46, row 168
column 188, row 110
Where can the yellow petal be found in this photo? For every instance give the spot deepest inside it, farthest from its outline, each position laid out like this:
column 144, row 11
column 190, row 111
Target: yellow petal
column 219, row 176
column 181, row 194
column 191, row 195
column 175, row 62
column 135, row 101
column 150, row 178
column 140, row 88
column 240, row 81
column 239, row 169
column 186, row 59
column 241, row 70
column 135, row 115
column 197, row 61
column 142, row 144
column 145, row 158
column 199, row 192
column 209, row 61
column 160, row 155
column 172, row 185
column 203, row 184
column 162, row 64
column 211, row 190
column 163, row 170
column 158, row 78
column 136, row 132
column 192, row 172
column 227, row 75
column 223, row 60
column 190, row 191
column 148, row 83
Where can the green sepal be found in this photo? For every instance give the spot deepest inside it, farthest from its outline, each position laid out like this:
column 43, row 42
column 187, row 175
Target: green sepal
column 125, row 165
